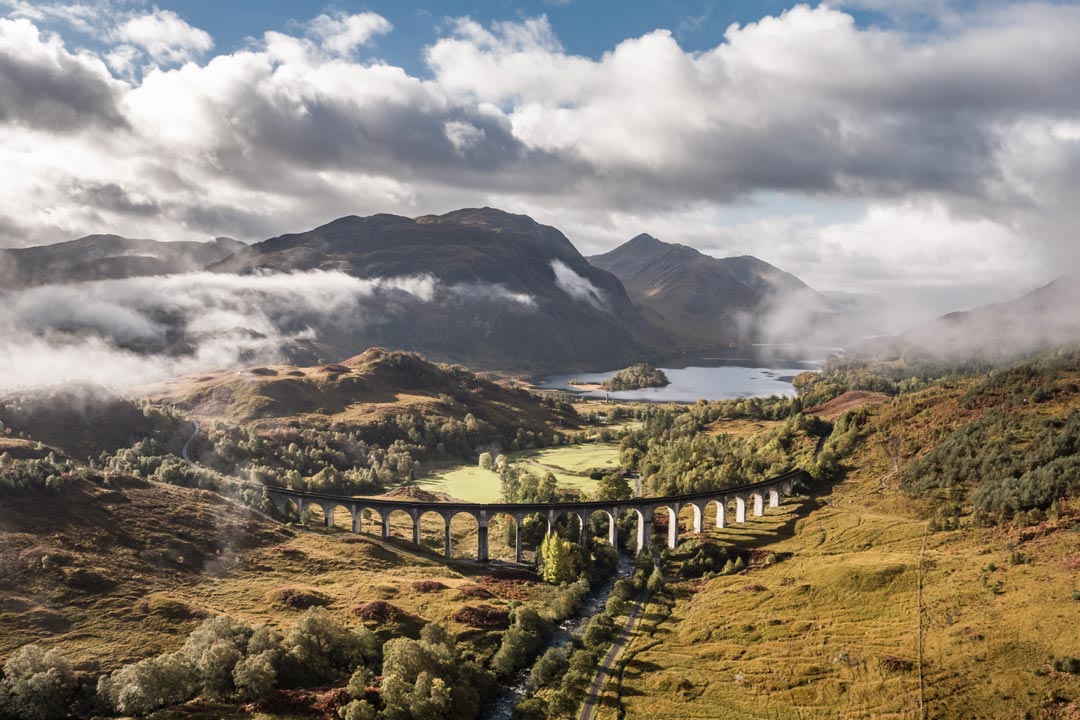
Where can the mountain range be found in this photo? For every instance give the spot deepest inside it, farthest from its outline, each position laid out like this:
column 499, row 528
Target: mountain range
column 494, row 290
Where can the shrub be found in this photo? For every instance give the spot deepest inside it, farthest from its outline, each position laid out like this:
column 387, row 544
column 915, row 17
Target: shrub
column 426, row 586
column 357, row 710
column 1067, row 664
column 549, row 667
column 380, row 611
column 895, row 664
column 37, row 684
column 482, row 616
column 297, row 598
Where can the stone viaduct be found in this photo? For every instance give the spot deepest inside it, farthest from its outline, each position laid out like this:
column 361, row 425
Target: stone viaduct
column 754, row 497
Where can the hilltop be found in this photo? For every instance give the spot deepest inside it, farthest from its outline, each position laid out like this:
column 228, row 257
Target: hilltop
column 363, row 390
column 711, row 303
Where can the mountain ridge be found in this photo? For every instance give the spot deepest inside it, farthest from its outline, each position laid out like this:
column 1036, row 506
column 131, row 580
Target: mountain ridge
column 703, row 301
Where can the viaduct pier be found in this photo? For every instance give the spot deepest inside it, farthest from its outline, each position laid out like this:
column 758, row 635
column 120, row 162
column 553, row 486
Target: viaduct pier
column 749, row 499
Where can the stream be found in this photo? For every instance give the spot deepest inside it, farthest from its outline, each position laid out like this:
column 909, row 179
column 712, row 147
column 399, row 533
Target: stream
column 508, row 695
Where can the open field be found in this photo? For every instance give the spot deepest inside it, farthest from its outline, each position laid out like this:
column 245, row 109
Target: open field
column 570, row 465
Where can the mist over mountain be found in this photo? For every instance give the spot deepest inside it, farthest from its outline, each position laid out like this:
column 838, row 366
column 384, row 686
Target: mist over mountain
column 103, row 257
column 710, row 303
column 479, row 287
column 1042, row 319
column 506, row 292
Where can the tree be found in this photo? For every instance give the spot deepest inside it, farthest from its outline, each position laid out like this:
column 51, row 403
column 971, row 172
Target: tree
column 318, row 649
column 147, row 685
column 37, row 684
column 549, row 489
column 656, row 581
column 556, row 560
column 614, row 486
column 486, row 461
column 425, row 679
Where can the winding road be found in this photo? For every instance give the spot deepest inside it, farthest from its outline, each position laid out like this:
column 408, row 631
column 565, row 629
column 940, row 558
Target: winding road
column 187, row 445
column 592, row 698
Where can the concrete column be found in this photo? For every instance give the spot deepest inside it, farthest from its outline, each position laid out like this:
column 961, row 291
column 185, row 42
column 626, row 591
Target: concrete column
column 446, row 538
column 789, row 487
column 517, row 538
column 697, row 518
column 584, row 529
column 357, row 516
column 740, row 509
column 300, row 505
column 551, row 522
column 613, row 529
column 673, row 528
column 328, row 515
column 721, row 513
column 415, row 527
column 644, row 532
column 386, row 523
column 481, row 540
column 759, row 504
column 774, row 497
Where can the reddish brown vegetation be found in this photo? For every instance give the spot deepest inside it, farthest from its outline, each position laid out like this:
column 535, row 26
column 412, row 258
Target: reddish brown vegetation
column 474, row 592
column 426, row 586
column 297, row 598
column 380, row 611
column 483, row 616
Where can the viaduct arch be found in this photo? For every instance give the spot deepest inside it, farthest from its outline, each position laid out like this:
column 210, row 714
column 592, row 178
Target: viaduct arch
column 753, row 497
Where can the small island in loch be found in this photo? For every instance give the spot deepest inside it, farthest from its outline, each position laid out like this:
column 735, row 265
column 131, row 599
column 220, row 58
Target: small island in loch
column 636, row 377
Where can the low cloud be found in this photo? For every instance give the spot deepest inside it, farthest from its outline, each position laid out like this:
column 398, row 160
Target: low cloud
column 134, row 331
column 576, row 286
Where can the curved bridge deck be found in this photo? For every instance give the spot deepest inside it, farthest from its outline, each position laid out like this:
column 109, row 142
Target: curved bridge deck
column 754, row 497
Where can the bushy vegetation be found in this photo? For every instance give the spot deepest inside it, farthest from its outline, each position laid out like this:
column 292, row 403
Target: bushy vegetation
column 37, row 684
column 48, row 474
column 636, row 377
column 675, row 455
column 561, row 677
column 226, row 659
column 1003, row 463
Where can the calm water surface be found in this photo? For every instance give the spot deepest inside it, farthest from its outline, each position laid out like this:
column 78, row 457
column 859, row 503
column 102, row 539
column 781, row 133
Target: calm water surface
column 705, row 378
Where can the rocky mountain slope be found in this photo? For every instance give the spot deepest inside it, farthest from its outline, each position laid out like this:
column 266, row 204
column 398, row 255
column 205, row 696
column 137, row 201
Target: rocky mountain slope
column 711, row 303
column 491, row 289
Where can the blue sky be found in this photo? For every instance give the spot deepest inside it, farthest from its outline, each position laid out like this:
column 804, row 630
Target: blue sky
column 585, row 27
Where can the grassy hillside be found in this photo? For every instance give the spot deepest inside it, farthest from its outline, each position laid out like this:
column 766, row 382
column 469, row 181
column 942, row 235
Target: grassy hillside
column 826, row 622
column 365, row 389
